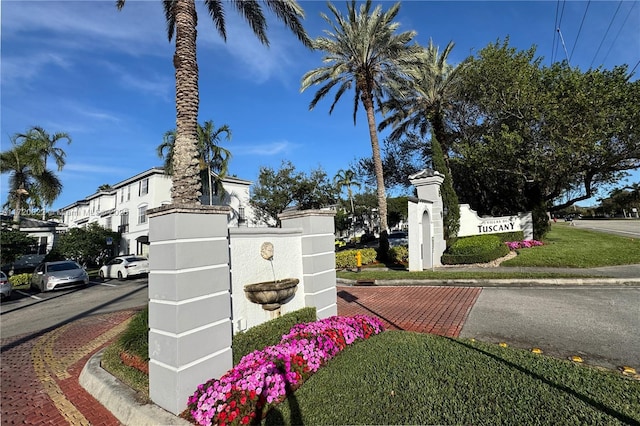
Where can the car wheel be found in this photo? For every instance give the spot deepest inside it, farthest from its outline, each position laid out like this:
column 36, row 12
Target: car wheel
column 120, row 277
column 101, row 275
column 34, row 288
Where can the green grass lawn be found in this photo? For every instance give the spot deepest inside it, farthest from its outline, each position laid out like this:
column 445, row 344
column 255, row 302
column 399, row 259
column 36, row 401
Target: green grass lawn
column 570, row 247
column 409, row 378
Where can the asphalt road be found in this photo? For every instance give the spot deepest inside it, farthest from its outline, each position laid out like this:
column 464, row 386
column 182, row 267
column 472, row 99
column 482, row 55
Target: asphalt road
column 28, row 312
column 601, row 325
column 623, row 227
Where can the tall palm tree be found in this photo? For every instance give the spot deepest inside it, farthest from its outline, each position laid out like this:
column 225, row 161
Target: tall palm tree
column 364, row 52
column 424, row 102
column 346, row 179
column 214, row 157
column 29, row 178
column 181, row 17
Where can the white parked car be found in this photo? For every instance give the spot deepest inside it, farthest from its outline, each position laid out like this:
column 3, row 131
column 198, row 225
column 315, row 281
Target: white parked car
column 398, row 238
column 5, row 286
column 54, row 275
column 123, row 267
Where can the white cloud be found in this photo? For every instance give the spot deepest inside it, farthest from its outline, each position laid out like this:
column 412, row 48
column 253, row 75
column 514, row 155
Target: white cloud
column 266, row 149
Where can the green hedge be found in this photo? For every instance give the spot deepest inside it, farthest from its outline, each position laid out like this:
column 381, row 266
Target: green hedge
column 510, row 236
column 20, row 280
column 269, row 333
column 475, row 249
column 347, row 258
column 399, row 254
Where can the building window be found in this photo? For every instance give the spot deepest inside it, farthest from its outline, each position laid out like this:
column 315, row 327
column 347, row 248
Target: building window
column 107, row 223
column 124, row 222
column 142, row 214
column 128, row 192
column 122, row 195
column 144, row 187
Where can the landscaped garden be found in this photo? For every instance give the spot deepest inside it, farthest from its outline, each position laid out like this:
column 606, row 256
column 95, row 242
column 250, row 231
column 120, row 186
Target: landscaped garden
column 399, row 377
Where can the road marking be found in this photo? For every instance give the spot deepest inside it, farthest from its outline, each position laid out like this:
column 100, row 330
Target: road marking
column 28, row 295
column 108, row 285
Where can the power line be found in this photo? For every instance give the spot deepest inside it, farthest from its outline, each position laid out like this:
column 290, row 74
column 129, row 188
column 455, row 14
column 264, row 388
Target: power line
column 555, row 25
column 619, row 31
column 605, row 34
column 579, row 30
column 558, row 23
column 564, row 47
column 634, row 68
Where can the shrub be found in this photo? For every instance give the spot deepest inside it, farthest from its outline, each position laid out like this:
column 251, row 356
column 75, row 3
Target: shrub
column 510, row 236
column 399, row 254
column 135, row 339
column 475, row 249
column 264, row 378
column 347, row 258
column 20, row 280
column 269, row 333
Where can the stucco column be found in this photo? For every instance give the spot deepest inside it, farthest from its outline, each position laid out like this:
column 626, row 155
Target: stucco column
column 427, row 183
column 189, row 301
column 318, row 257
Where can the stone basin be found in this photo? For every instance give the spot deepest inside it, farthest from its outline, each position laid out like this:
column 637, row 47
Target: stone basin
column 272, row 294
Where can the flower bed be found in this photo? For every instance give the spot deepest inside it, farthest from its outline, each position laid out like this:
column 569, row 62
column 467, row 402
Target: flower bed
column 514, row 245
column 264, row 378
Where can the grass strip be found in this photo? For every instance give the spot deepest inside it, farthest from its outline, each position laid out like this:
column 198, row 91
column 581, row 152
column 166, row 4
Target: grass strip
column 409, row 378
column 570, row 247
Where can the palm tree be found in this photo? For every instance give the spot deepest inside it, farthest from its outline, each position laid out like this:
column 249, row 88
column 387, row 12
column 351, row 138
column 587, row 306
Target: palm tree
column 28, row 178
column 40, row 140
column 364, row 52
column 181, row 17
column 214, row 158
column 424, row 103
column 346, row 179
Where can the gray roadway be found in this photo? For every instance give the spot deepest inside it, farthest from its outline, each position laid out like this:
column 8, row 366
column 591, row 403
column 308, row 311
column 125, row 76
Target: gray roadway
column 599, row 324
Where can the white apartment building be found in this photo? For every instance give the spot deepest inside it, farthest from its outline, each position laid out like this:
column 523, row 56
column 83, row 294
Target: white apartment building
column 123, row 207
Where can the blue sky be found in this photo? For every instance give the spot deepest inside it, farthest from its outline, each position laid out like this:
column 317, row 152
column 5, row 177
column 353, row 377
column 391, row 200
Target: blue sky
column 106, row 77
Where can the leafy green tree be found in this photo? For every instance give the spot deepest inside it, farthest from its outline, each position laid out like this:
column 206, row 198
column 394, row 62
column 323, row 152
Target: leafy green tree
column 540, row 139
column 181, row 17
column 451, row 216
column 14, row 244
column 87, row 246
column 278, row 190
column 29, row 179
column 364, row 52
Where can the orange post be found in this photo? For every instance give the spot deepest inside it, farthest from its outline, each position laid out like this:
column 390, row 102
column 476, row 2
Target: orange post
column 359, row 260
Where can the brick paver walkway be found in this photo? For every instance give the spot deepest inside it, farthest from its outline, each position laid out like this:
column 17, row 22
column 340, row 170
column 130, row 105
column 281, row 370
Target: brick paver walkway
column 39, row 373
column 424, row 309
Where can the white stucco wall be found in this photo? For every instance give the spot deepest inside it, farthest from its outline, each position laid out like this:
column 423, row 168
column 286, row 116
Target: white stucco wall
column 248, row 267
column 472, row 224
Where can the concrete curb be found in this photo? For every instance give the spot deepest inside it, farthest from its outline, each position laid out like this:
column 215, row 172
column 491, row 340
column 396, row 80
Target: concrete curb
column 120, row 399
column 533, row 282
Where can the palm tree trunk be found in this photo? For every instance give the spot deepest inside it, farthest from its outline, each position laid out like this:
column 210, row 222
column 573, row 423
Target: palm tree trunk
column 186, row 188
column 377, row 165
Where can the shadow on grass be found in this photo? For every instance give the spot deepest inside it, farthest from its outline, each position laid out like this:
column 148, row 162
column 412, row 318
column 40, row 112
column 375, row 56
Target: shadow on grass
column 584, row 398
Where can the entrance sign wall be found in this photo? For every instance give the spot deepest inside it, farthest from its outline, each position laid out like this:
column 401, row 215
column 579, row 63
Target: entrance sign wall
column 472, row 224
column 426, row 228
